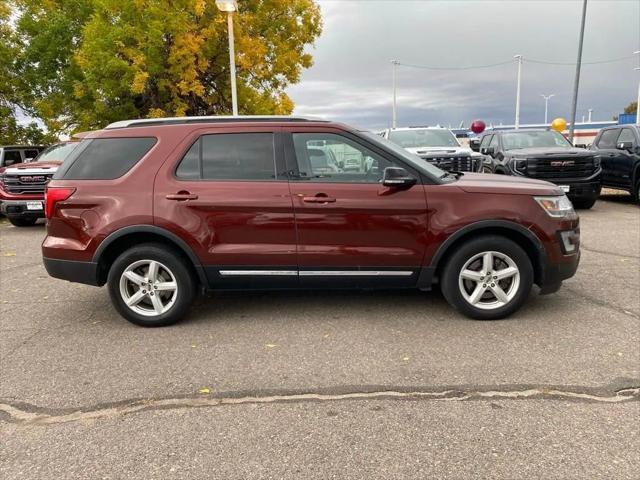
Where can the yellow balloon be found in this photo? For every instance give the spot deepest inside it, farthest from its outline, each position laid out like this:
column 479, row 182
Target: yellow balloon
column 559, row 124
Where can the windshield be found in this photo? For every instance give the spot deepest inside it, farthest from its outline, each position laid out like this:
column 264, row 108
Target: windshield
column 416, row 138
column 56, row 153
column 516, row 140
column 413, row 160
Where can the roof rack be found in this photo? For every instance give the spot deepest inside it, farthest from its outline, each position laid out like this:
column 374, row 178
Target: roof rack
column 145, row 122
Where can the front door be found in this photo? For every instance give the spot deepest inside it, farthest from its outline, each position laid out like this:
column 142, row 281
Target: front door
column 351, row 230
column 228, row 195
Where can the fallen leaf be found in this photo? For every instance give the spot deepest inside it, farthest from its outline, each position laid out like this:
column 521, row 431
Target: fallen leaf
column 8, row 254
column 406, row 359
column 204, row 390
column 194, row 345
column 271, row 345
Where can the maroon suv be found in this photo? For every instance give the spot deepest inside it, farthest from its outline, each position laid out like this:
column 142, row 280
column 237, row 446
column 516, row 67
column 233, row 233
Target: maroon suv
column 160, row 209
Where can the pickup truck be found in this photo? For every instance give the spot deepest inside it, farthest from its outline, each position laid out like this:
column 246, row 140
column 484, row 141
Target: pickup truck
column 22, row 185
column 436, row 145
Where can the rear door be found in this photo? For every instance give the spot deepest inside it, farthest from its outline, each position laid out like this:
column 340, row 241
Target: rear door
column 228, row 196
column 352, row 231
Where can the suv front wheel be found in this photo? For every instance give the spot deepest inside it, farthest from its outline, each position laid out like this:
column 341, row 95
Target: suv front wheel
column 151, row 286
column 487, row 278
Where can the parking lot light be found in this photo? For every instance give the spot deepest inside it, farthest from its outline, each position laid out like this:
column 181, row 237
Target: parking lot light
column 637, row 69
column 517, row 122
column 231, row 6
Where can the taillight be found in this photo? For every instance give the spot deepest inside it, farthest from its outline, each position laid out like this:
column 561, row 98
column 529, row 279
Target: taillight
column 53, row 195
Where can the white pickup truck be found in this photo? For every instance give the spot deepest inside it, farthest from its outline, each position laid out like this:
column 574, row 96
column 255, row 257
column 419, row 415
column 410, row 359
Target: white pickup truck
column 436, row 145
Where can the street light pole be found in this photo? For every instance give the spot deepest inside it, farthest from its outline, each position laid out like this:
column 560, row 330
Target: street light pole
column 231, row 6
column 637, row 69
column 546, row 105
column 395, row 63
column 519, row 58
column 574, row 103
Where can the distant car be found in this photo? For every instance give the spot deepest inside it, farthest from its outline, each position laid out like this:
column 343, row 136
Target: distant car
column 544, row 155
column 619, row 149
column 437, row 145
column 12, row 154
column 22, row 185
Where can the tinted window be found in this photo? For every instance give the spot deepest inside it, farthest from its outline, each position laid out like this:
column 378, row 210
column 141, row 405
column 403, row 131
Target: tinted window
column 608, row 138
column 417, row 138
column 11, row 157
column 232, row 156
column 533, row 139
column 626, row 136
column 326, row 157
column 104, row 158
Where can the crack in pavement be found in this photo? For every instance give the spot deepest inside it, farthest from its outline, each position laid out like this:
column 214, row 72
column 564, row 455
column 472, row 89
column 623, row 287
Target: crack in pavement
column 27, row 414
column 601, row 303
column 604, row 252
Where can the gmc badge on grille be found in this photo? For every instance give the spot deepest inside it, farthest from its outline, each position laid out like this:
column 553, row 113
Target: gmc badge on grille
column 32, row 179
column 563, row 163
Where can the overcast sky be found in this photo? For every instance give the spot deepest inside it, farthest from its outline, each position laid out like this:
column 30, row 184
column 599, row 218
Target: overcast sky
column 351, row 77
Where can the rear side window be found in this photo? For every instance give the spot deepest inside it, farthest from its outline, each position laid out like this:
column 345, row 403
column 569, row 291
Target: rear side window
column 11, row 157
column 608, row 138
column 104, row 158
column 230, row 156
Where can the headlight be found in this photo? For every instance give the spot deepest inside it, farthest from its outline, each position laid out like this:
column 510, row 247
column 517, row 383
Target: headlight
column 520, row 165
column 557, row 207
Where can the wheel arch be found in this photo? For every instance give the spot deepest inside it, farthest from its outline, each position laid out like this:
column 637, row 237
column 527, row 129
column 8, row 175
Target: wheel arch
column 118, row 241
column 511, row 230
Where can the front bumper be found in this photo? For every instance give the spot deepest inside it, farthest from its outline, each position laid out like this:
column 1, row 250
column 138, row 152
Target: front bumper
column 581, row 190
column 19, row 208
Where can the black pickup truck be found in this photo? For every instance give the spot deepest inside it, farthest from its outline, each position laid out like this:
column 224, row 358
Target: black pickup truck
column 619, row 148
column 544, row 155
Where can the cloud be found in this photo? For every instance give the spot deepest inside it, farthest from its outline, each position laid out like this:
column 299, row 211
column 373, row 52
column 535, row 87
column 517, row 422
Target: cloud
column 351, row 77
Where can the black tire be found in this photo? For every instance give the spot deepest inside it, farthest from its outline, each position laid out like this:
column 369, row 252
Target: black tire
column 23, row 221
column 584, row 203
column 636, row 192
column 178, row 266
column 489, row 243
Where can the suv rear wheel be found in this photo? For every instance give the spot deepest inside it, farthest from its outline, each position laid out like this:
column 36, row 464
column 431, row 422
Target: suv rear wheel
column 151, row 286
column 487, row 278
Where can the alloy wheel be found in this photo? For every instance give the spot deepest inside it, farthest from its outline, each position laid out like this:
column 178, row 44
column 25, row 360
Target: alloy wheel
column 148, row 287
column 489, row 280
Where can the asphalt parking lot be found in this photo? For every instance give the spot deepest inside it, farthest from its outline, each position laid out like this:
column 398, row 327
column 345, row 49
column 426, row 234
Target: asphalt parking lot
column 325, row 384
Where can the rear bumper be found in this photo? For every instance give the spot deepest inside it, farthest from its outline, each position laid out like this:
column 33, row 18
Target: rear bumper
column 78, row 272
column 18, row 208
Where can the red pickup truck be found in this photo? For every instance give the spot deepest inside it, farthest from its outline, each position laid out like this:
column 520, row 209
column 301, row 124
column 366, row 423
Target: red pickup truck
column 22, row 185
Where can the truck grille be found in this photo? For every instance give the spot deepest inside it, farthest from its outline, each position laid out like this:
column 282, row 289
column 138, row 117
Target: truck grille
column 561, row 167
column 26, row 184
column 458, row 163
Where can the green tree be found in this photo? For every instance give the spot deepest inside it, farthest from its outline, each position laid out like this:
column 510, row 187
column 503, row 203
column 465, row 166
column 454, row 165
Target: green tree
column 85, row 63
column 631, row 108
column 11, row 132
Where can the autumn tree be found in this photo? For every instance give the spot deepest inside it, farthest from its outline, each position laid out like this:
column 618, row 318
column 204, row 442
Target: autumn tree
column 85, row 63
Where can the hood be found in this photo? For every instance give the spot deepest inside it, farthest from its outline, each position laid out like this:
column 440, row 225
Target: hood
column 436, row 151
column 505, row 184
column 551, row 151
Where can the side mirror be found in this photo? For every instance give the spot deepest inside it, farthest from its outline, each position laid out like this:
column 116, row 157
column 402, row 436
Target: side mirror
column 488, row 151
column 474, row 144
column 398, row 177
column 628, row 146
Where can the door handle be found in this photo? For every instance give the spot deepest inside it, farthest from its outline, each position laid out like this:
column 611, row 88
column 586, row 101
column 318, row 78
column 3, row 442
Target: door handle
column 181, row 196
column 318, row 199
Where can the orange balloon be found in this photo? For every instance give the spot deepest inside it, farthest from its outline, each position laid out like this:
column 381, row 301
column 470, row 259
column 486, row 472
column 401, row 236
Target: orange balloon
column 559, row 124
